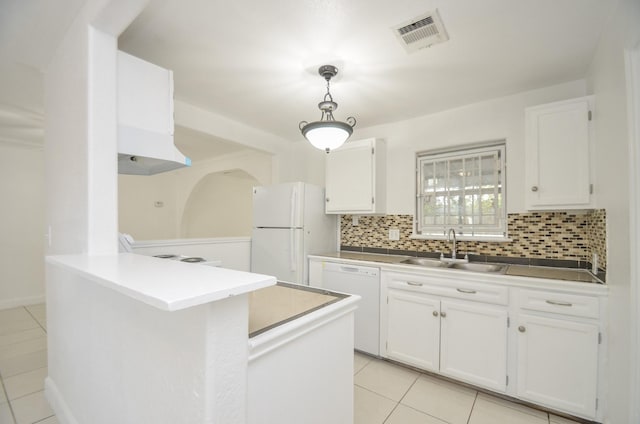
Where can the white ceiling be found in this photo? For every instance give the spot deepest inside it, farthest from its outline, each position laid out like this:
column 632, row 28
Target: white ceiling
column 255, row 61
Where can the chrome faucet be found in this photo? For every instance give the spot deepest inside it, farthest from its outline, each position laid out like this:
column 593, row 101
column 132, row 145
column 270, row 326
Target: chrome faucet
column 453, row 252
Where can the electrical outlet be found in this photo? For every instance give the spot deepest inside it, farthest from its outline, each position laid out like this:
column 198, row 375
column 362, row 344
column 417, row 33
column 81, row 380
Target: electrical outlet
column 354, row 220
column 394, row 234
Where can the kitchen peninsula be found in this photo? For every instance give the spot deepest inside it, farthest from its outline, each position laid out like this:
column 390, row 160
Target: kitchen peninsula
column 137, row 339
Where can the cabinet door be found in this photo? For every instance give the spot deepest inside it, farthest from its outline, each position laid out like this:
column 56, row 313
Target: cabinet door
column 473, row 344
column 557, row 155
column 350, row 178
column 558, row 363
column 413, row 329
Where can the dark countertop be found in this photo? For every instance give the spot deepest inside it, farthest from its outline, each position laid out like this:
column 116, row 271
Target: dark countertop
column 551, row 273
column 275, row 305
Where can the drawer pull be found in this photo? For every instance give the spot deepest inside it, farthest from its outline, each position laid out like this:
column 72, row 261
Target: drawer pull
column 411, row 283
column 554, row 302
column 466, row 291
column 522, row 329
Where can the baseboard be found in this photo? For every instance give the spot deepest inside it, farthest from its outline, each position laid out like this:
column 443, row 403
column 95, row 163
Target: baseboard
column 57, row 403
column 21, row 301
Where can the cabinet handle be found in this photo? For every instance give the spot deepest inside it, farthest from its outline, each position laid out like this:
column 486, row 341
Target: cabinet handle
column 435, row 313
column 466, row 291
column 534, row 188
column 327, row 200
column 522, row 329
column 443, row 314
column 411, row 283
column 554, row 302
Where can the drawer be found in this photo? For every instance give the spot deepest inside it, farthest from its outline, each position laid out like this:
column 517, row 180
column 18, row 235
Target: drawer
column 479, row 292
column 560, row 303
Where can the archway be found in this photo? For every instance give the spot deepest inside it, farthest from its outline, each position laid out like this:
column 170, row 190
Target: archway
column 220, row 205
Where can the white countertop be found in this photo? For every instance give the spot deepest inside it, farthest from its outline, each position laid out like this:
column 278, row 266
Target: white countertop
column 167, row 285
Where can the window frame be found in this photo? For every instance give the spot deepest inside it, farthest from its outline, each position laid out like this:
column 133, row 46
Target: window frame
column 495, row 232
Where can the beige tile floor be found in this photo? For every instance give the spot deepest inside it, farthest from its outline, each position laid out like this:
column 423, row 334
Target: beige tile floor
column 23, row 366
column 385, row 393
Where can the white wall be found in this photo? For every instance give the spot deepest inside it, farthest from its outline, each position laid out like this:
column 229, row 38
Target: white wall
column 257, row 165
column 21, row 226
column 300, row 162
column 497, row 119
column 606, row 80
column 220, row 205
column 139, row 216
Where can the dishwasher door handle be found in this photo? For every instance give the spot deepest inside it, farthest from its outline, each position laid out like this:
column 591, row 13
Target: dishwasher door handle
column 349, row 269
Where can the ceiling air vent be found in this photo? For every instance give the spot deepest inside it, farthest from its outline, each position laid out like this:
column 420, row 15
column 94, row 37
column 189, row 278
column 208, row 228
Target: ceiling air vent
column 421, row 32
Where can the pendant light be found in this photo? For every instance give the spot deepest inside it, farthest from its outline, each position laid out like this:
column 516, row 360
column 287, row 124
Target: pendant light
column 327, row 133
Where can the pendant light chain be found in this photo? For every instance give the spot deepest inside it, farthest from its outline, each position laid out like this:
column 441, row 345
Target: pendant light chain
column 327, row 113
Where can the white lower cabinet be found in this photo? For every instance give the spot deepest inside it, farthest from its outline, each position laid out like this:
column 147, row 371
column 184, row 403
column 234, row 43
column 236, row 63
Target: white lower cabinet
column 456, row 338
column 558, row 363
column 543, row 345
column 473, row 343
column 413, row 329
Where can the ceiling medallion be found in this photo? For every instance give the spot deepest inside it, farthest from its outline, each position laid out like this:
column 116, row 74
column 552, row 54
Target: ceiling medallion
column 327, row 133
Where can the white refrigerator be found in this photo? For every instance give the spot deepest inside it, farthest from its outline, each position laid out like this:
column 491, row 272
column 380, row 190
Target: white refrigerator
column 289, row 223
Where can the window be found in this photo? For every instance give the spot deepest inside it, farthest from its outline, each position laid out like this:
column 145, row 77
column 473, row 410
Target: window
column 463, row 189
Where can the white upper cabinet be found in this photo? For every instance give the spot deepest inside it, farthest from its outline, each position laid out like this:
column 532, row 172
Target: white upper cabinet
column 356, row 178
column 558, row 159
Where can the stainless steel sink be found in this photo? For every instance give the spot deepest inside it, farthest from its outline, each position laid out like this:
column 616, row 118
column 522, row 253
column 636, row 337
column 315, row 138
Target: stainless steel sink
column 476, row 267
column 466, row 266
column 426, row 262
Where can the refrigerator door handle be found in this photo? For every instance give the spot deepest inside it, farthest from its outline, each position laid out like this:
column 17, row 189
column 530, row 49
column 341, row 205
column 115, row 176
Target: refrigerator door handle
column 292, row 250
column 293, row 199
column 292, row 238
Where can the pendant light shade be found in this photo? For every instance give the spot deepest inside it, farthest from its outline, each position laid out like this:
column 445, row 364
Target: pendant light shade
column 327, row 133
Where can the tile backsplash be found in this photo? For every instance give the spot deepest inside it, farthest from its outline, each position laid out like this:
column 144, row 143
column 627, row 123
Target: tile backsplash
column 535, row 235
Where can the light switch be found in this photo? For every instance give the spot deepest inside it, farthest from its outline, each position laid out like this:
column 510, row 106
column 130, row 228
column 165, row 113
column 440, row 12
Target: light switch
column 354, row 220
column 394, row 234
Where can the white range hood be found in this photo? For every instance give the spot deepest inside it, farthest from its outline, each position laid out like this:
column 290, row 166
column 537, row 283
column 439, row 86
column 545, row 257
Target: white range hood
column 145, row 118
column 143, row 152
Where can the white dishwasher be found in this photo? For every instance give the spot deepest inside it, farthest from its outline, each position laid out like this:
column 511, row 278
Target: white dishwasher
column 365, row 282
